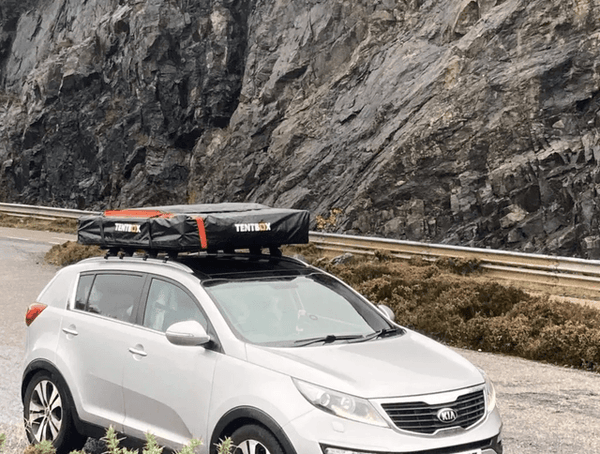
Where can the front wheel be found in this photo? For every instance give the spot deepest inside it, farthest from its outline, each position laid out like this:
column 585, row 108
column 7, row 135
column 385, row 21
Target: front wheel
column 48, row 415
column 253, row 439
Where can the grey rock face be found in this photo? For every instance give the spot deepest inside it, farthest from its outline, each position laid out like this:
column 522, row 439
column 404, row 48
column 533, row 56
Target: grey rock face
column 466, row 122
column 106, row 99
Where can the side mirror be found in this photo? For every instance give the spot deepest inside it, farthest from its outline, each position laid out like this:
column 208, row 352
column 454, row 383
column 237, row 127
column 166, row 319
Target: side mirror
column 387, row 311
column 187, row 333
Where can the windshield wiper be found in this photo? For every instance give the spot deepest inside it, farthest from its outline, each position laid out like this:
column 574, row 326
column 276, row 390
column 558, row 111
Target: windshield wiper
column 382, row 333
column 349, row 337
column 327, row 339
column 387, row 331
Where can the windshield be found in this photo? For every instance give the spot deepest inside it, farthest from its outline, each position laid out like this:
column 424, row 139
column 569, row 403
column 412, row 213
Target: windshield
column 290, row 311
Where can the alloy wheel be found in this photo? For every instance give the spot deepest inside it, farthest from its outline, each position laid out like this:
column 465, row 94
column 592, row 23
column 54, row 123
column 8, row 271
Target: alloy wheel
column 45, row 416
column 251, row 447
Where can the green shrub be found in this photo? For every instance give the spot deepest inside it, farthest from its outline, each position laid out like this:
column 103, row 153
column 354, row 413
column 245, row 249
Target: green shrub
column 190, row 448
column 112, row 445
column 2, row 441
column 45, row 447
column 224, row 446
column 113, row 442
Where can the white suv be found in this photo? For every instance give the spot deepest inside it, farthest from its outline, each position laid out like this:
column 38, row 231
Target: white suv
column 267, row 350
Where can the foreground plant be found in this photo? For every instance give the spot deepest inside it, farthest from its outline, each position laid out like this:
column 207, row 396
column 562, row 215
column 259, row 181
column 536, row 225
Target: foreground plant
column 190, row 448
column 112, row 441
column 2, row 441
column 112, row 444
column 152, row 447
column 224, row 447
column 44, row 447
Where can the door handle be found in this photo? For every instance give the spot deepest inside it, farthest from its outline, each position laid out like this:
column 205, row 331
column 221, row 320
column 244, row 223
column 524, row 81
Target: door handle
column 138, row 350
column 70, row 330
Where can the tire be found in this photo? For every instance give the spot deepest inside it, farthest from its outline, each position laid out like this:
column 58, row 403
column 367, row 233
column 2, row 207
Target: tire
column 48, row 416
column 253, row 439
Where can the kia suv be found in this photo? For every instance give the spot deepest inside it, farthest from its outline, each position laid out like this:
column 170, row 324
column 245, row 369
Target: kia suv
column 266, row 349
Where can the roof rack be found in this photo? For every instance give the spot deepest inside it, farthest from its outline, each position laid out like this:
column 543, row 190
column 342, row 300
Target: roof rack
column 137, row 259
column 193, row 228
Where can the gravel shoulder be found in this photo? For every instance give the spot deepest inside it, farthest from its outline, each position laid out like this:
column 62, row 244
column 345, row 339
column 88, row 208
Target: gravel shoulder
column 545, row 408
column 23, row 275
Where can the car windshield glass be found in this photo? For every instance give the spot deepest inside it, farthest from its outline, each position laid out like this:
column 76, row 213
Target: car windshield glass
column 295, row 311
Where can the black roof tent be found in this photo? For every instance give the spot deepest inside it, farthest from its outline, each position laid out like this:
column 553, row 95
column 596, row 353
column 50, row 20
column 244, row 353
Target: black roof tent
column 193, row 228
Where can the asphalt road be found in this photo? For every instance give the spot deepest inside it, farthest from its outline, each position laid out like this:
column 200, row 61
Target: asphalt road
column 545, row 408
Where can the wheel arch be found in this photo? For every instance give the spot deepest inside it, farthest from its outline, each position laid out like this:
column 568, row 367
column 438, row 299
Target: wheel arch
column 42, row 365
column 241, row 416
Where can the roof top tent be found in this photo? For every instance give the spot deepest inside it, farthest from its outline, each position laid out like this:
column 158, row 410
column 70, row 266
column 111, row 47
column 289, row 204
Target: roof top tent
column 195, row 228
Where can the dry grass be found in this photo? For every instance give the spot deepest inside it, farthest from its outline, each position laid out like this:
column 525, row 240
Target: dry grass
column 50, row 225
column 71, row 252
column 16, row 442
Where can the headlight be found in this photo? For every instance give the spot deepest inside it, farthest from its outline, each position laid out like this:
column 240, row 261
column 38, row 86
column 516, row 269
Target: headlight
column 490, row 393
column 340, row 404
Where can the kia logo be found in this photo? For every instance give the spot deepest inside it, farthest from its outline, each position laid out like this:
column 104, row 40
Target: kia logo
column 447, row 415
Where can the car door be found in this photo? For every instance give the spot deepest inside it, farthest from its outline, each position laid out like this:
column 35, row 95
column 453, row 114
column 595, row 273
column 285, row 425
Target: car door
column 93, row 343
column 167, row 387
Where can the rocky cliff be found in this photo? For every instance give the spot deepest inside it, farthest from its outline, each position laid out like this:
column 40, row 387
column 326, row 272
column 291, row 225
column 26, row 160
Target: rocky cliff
column 459, row 121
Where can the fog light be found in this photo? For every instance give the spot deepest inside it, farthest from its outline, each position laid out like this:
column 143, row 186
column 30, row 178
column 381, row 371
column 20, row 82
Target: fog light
column 332, row 450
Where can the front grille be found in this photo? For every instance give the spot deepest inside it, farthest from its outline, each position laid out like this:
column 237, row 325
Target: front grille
column 422, row 418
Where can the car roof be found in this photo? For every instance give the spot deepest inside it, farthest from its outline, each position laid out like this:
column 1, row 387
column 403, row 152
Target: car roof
column 243, row 266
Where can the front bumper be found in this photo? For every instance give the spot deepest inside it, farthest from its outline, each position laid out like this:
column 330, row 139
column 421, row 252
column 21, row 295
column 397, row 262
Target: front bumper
column 318, row 432
column 491, row 446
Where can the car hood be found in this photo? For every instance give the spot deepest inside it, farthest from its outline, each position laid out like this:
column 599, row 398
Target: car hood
column 399, row 366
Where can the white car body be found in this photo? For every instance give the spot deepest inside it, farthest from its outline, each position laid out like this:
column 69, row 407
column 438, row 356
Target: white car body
column 132, row 377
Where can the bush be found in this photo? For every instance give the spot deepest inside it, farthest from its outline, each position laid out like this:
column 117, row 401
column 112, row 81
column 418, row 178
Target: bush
column 442, row 300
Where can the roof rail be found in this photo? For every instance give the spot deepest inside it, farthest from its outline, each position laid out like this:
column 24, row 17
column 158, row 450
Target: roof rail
column 140, row 259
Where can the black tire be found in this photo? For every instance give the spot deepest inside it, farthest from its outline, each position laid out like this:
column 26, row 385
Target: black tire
column 253, row 439
column 48, row 416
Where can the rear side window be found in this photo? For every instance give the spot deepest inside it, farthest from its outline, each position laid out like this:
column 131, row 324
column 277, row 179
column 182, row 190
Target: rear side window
column 110, row 295
column 83, row 291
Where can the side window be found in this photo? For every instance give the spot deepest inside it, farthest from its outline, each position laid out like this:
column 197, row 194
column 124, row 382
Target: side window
column 83, row 291
column 111, row 295
column 168, row 304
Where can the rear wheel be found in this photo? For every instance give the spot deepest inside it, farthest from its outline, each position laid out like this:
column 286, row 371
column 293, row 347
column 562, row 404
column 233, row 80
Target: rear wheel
column 48, row 415
column 253, row 439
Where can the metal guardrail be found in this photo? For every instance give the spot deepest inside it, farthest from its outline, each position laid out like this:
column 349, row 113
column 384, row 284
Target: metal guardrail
column 535, row 268
column 41, row 212
column 542, row 269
